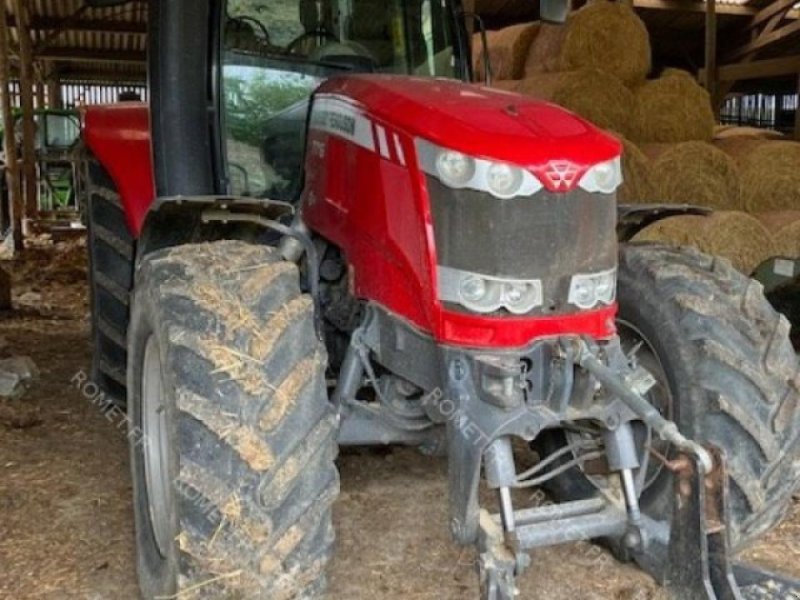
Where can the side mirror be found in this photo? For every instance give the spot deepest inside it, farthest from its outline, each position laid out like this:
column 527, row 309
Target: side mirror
column 554, row 11
column 105, row 3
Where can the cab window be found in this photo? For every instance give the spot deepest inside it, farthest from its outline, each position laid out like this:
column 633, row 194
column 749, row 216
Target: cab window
column 277, row 52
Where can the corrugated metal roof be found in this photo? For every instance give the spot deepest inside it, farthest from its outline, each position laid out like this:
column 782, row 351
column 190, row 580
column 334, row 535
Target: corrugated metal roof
column 87, row 41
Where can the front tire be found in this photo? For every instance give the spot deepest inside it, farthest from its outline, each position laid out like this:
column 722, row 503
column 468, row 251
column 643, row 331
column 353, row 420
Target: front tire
column 727, row 375
column 232, row 435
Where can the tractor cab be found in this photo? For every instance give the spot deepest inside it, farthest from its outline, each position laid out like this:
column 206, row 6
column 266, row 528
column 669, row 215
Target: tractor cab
column 275, row 53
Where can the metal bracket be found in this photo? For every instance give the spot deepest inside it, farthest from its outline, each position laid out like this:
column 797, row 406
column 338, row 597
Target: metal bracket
column 699, row 565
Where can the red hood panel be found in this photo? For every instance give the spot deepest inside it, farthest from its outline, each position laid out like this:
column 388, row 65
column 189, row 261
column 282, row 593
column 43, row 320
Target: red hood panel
column 479, row 121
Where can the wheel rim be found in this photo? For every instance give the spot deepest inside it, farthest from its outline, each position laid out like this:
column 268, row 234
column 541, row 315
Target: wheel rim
column 637, row 346
column 155, row 447
column 659, row 396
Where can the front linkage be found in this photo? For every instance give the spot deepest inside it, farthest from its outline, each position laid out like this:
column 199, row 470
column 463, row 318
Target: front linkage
column 486, row 399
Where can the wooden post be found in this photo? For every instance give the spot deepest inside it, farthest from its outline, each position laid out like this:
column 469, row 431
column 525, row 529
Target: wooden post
column 711, row 54
column 53, row 86
column 15, row 202
column 40, row 99
column 28, row 125
column 797, row 112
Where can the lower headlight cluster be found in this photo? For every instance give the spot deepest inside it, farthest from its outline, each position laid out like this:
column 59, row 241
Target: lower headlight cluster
column 589, row 291
column 484, row 294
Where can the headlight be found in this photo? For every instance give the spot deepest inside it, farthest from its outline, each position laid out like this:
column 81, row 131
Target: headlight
column 504, row 180
column 587, row 291
column 455, row 169
column 485, row 294
column 459, row 171
column 604, row 178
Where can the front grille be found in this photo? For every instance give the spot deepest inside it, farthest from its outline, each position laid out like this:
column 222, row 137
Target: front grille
column 546, row 236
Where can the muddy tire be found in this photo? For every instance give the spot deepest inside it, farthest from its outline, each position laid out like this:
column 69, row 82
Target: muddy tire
column 227, row 381
column 111, row 255
column 731, row 375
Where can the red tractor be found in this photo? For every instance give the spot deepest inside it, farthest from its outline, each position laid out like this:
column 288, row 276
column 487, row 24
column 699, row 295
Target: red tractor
column 320, row 233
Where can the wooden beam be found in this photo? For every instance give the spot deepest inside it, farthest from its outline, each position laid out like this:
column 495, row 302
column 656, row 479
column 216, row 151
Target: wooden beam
column 45, row 23
column 771, row 9
column 87, row 55
column 9, row 143
column 90, row 25
column 80, row 74
column 697, row 7
column 767, row 39
column 797, row 112
column 711, row 49
column 759, row 69
column 26, row 80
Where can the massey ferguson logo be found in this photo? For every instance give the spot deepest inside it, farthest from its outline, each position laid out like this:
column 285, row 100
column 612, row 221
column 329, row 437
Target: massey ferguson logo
column 561, row 175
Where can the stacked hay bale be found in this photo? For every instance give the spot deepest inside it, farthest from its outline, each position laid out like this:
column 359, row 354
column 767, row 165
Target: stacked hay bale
column 770, row 172
column 673, row 109
column 737, row 236
column 784, row 225
column 597, row 65
column 695, row 173
column 594, row 94
column 507, row 51
column 639, row 183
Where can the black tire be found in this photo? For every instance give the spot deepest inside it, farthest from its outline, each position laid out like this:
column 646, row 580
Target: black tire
column 251, row 436
column 111, row 259
column 731, row 372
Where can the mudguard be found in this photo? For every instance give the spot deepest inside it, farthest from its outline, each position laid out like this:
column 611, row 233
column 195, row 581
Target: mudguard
column 119, row 136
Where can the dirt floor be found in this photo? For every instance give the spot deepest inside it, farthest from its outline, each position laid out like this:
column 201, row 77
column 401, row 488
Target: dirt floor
column 65, row 507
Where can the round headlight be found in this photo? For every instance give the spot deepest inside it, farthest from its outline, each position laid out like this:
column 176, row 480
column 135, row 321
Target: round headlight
column 605, row 176
column 473, row 289
column 583, row 293
column 455, row 169
column 504, row 180
column 604, row 288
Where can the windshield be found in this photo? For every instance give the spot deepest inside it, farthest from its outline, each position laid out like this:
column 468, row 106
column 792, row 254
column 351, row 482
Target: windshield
column 277, row 52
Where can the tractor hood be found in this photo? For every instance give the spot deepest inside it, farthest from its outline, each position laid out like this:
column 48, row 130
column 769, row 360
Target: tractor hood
column 479, row 121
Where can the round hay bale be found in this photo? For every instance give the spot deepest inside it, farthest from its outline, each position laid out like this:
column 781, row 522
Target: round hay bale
column 725, row 132
column 739, row 148
column 595, row 95
column 787, row 241
column 784, row 225
column 695, row 173
column 771, row 177
column 608, row 36
column 776, row 220
column 544, row 55
column 508, row 51
column 638, row 185
column 673, row 108
column 734, row 235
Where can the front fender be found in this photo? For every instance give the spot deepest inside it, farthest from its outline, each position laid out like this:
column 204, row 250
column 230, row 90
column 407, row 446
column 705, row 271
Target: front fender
column 119, row 137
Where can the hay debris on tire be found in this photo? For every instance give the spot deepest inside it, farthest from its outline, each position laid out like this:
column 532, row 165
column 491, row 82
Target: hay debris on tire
column 595, row 95
column 734, row 235
column 508, row 51
column 608, row 36
column 695, row 173
column 673, row 108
